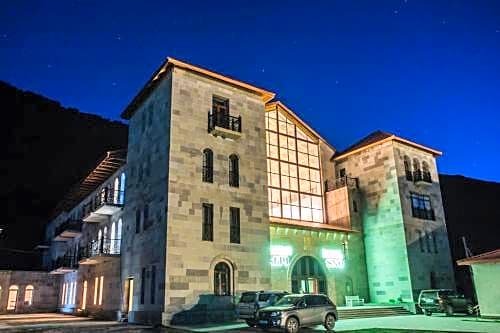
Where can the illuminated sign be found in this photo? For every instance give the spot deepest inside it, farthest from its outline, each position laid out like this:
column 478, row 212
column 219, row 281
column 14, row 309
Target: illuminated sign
column 333, row 258
column 280, row 255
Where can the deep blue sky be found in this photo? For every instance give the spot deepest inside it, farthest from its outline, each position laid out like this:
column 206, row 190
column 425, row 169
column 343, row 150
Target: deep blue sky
column 426, row 70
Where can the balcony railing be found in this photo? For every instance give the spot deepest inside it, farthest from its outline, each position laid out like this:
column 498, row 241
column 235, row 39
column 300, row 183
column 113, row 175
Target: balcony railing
column 425, row 214
column 426, row 177
column 90, row 253
column 225, row 121
column 341, row 182
column 107, row 202
column 68, row 229
column 64, row 264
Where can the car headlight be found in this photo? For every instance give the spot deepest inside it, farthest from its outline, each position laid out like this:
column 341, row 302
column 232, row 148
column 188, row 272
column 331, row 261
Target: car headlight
column 275, row 313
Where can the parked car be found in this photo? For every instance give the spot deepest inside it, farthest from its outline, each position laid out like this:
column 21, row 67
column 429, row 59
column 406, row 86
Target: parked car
column 251, row 301
column 297, row 310
column 444, row 300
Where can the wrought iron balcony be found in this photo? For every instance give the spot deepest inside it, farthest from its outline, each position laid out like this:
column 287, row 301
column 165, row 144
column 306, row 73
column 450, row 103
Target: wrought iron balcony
column 64, row 264
column 67, row 230
column 104, row 204
column 341, row 182
column 225, row 125
column 99, row 251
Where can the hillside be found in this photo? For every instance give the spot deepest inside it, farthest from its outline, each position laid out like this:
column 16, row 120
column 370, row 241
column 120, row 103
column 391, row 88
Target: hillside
column 47, row 148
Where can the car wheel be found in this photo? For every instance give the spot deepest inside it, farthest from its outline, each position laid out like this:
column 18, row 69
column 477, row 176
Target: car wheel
column 470, row 309
column 329, row 322
column 428, row 312
column 449, row 310
column 292, row 325
column 250, row 323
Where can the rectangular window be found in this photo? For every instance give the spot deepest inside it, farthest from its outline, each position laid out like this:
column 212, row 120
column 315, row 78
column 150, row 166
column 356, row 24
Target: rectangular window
column 220, row 105
column 208, row 222
column 421, row 240
column 234, row 225
column 143, row 284
column 137, row 221
column 101, row 290
column 146, row 220
column 153, row 284
column 421, row 206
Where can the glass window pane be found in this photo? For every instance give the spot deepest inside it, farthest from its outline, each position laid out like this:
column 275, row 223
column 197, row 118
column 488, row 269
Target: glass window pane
column 313, row 162
column 282, row 127
column 301, row 134
column 316, row 188
column 284, row 168
column 290, row 129
column 273, row 138
column 294, row 184
column 284, row 154
column 285, row 182
column 273, row 152
column 294, row 198
column 315, row 175
column 302, row 146
column 316, row 202
column 272, row 114
column 317, row 215
column 274, row 166
column 295, row 212
column 287, row 211
column 283, row 141
column 313, row 149
column 291, row 144
column 302, row 159
column 292, row 157
column 293, row 170
column 304, row 173
column 281, row 117
column 306, row 214
column 305, row 200
column 305, row 186
column 275, row 180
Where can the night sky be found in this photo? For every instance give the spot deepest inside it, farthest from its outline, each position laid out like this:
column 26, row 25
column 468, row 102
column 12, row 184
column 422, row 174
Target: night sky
column 425, row 70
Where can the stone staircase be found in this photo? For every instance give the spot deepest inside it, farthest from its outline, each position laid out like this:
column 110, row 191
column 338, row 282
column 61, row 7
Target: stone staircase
column 371, row 311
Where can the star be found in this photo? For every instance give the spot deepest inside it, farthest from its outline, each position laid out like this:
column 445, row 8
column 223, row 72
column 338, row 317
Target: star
column 118, row 37
column 49, row 66
column 396, row 11
column 113, row 84
column 263, row 70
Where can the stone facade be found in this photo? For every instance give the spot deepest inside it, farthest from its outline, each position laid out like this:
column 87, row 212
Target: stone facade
column 397, row 269
column 44, row 295
column 191, row 261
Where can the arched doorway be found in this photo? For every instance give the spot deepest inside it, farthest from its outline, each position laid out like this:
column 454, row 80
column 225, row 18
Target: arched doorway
column 308, row 277
column 222, row 279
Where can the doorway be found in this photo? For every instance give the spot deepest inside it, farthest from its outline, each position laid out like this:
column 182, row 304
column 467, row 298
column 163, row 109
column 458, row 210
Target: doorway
column 308, row 277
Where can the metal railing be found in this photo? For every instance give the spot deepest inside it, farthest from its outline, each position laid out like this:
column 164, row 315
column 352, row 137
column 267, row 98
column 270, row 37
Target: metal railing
column 99, row 247
column 226, row 121
column 67, row 260
column 421, row 176
column 426, row 177
column 340, row 182
column 107, row 196
column 70, row 225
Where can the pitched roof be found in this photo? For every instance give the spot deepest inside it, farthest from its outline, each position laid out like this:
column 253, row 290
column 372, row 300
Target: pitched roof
column 113, row 160
column 171, row 62
column 379, row 137
column 488, row 257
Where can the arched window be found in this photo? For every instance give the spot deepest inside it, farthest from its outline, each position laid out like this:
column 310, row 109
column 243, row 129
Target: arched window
column 208, row 166
column 417, row 173
column 407, row 164
column 426, row 174
column 84, row 296
column 28, row 295
column 12, row 300
column 222, row 279
column 116, row 191
column 113, row 238
column 308, row 277
column 119, row 235
column 234, row 171
column 122, row 188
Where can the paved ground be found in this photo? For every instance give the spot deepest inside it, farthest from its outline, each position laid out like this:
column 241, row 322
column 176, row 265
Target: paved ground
column 418, row 323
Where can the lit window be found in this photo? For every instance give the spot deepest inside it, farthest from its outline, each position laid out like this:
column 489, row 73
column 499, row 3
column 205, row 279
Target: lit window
column 294, row 179
column 101, row 289
column 421, row 206
column 28, row 295
column 63, row 297
column 96, row 289
column 84, row 296
column 12, row 300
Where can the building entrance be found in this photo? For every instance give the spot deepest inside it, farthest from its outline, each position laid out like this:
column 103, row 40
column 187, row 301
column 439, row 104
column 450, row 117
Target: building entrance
column 308, row 277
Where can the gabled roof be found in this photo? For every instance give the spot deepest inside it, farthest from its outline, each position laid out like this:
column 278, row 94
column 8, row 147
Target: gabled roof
column 171, row 62
column 113, row 160
column 273, row 105
column 488, row 257
column 379, row 137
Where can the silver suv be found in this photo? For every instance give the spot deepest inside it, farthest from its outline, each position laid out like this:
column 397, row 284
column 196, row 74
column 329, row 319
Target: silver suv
column 252, row 301
column 297, row 310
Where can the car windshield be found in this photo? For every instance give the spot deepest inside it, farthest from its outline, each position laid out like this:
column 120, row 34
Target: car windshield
column 247, row 298
column 289, row 300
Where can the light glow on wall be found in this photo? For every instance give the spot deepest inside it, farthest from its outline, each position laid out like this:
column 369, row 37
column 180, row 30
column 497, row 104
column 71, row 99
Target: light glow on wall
column 334, row 258
column 280, row 255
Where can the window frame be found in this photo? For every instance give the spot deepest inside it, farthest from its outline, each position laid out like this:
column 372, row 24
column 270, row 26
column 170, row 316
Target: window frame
column 421, row 206
column 234, row 225
column 207, row 233
column 207, row 166
column 234, row 170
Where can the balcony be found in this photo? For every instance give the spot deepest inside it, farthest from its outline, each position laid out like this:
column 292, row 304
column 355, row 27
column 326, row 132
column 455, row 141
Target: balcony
column 64, row 264
column 97, row 252
column 224, row 125
column 67, row 230
column 105, row 203
column 422, row 177
column 351, row 183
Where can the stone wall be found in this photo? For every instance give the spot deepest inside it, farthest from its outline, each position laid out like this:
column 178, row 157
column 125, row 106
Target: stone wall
column 147, row 168
column 191, row 261
column 433, row 260
column 383, row 226
column 45, row 292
